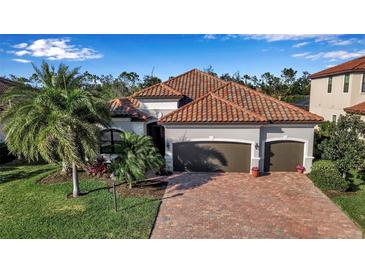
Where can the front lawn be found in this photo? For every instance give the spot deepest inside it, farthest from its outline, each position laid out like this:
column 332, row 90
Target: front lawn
column 352, row 201
column 32, row 210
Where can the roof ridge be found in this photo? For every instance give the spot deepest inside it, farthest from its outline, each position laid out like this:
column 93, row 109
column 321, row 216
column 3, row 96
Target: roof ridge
column 276, row 100
column 192, row 70
column 239, row 107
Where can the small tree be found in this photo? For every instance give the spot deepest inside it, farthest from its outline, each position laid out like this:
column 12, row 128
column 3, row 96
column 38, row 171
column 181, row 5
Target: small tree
column 137, row 154
column 345, row 144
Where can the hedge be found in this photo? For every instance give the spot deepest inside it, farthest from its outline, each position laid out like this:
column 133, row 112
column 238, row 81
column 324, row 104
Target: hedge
column 326, row 176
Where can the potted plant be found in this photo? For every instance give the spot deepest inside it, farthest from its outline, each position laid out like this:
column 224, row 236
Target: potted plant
column 255, row 171
column 300, row 168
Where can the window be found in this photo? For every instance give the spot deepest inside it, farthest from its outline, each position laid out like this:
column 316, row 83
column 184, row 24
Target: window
column 109, row 138
column 329, row 90
column 334, row 118
column 346, row 83
column 363, row 83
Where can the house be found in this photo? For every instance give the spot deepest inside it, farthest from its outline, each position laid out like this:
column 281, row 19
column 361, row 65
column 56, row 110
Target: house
column 202, row 123
column 4, row 84
column 339, row 89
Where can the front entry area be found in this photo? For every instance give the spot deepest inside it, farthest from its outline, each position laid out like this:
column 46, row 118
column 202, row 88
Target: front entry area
column 283, row 155
column 211, row 156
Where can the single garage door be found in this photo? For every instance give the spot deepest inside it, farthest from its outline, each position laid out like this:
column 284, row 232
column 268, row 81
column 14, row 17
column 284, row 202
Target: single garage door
column 283, row 155
column 212, row 156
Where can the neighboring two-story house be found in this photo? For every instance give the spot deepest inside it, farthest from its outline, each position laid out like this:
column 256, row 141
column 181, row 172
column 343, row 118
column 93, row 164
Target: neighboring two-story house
column 339, row 89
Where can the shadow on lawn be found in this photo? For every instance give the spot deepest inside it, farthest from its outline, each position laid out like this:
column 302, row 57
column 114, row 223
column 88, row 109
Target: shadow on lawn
column 19, row 174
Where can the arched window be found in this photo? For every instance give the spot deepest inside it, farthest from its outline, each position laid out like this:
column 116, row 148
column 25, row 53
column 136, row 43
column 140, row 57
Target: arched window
column 109, row 138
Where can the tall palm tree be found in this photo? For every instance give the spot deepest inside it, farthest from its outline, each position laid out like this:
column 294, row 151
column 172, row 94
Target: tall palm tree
column 54, row 124
column 63, row 77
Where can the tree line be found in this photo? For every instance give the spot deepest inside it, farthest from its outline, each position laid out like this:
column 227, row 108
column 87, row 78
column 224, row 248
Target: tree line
column 287, row 85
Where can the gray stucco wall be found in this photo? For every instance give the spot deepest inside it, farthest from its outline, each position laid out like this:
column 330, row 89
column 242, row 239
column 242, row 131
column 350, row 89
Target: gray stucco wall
column 125, row 124
column 255, row 135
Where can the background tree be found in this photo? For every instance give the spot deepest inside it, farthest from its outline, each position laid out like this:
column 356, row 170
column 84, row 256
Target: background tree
column 54, row 124
column 149, row 80
column 345, row 144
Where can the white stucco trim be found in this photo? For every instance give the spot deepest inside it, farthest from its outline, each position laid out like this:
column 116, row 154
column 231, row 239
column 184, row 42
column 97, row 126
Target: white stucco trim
column 213, row 139
column 285, row 138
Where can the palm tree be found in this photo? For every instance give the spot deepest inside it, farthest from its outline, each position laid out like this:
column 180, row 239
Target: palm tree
column 54, row 124
column 63, row 78
column 137, row 154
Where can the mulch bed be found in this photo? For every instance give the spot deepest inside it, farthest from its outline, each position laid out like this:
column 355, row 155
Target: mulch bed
column 335, row 193
column 149, row 188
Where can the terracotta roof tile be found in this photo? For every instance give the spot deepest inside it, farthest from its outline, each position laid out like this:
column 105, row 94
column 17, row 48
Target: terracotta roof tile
column 124, row 107
column 235, row 103
column 357, row 109
column 355, row 65
column 212, row 109
column 158, row 90
column 194, row 83
column 272, row 109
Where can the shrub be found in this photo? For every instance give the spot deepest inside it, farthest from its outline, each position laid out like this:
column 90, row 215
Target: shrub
column 5, row 155
column 98, row 168
column 326, row 176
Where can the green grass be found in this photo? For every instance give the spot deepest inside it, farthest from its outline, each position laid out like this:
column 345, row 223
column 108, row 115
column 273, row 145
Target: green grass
column 353, row 203
column 31, row 210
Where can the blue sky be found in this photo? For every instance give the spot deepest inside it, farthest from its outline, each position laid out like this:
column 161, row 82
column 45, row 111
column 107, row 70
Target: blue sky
column 170, row 55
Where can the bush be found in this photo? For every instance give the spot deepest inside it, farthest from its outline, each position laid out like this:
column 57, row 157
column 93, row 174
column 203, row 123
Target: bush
column 5, row 155
column 326, row 176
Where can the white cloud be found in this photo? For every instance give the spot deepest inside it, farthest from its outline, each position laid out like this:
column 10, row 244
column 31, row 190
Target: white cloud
column 210, row 37
column 56, row 49
column 300, row 54
column 282, row 37
column 21, row 60
column 20, row 46
column 331, row 55
column 299, row 45
column 21, row 52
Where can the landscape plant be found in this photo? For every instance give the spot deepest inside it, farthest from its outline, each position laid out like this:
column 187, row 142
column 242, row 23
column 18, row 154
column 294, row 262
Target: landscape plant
column 137, row 155
column 344, row 144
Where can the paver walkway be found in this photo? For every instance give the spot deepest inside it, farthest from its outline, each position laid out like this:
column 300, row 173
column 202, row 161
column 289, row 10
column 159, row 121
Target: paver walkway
column 236, row 205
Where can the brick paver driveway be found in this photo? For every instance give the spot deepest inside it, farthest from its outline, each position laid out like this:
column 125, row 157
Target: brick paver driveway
column 236, row 205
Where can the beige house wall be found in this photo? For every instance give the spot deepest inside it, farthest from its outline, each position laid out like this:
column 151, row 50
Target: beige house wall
column 327, row 104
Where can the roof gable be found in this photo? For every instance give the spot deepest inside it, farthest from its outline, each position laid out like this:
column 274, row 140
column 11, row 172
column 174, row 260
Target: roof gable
column 158, row 90
column 355, row 65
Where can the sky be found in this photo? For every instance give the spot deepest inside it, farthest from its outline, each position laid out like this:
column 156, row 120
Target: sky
column 170, row 55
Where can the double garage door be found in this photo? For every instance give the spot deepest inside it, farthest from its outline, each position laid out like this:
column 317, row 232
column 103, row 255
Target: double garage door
column 209, row 156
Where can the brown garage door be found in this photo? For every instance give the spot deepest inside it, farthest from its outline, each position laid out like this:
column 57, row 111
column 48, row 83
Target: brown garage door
column 283, row 155
column 212, row 156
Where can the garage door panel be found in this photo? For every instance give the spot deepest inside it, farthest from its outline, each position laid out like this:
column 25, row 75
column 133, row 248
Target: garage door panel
column 283, row 155
column 211, row 156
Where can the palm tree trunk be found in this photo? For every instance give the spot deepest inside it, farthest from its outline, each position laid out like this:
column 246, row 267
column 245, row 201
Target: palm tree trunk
column 75, row 181
column 64, row 168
